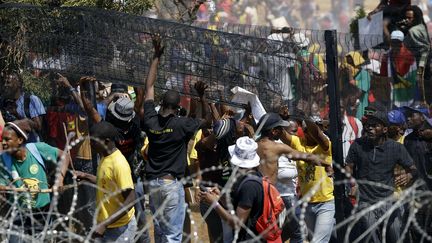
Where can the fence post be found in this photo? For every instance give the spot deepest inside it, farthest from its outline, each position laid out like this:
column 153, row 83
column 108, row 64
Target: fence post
column 335, row 122
column 92, row 96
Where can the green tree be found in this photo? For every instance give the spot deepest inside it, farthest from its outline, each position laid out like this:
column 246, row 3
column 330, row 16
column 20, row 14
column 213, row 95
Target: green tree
column 126, row 6
column 354, row 27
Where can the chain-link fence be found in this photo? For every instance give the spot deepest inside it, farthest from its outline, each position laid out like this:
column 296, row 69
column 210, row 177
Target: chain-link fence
column 312, row 72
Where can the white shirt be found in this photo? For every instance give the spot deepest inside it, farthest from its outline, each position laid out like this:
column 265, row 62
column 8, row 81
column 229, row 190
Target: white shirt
column 287, row 175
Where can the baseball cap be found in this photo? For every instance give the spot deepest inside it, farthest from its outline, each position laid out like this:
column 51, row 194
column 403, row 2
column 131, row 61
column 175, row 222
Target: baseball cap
column 397, row 35
column 378, row 115
column 396, row 117
column 243, row 153
column 422, row 109
column 122, row 109
column 272, row 120
column 119, row 88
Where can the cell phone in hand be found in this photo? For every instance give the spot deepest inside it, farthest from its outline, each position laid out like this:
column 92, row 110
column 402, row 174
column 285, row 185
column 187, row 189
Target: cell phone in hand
column 203, row 188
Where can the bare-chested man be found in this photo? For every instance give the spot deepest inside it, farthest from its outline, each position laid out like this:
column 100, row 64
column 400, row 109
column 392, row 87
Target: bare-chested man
column 269, row 150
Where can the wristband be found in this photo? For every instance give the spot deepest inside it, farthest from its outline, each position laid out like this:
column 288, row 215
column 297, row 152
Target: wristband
column 215, row 204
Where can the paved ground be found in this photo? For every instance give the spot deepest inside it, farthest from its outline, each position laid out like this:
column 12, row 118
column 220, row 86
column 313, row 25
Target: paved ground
column 199, row 228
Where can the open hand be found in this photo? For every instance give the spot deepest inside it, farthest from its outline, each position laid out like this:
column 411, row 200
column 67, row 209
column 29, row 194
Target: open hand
column 86, row 79
column 200, row 87
column 403, row 179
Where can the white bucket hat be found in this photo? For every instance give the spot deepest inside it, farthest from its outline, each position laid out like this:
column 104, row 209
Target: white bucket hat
column 243, row 153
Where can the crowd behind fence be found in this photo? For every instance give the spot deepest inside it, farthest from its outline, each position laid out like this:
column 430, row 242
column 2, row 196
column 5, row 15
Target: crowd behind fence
column 282, row 67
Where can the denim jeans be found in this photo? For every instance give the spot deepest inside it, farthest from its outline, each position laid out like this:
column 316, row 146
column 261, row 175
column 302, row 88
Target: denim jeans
column 371, row 217
column 320, row 220
column 167, row 203
column 123, row 234
column 144, row 236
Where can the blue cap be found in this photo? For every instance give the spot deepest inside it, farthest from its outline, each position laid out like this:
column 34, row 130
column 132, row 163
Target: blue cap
column 396, row 117
column 416, row 109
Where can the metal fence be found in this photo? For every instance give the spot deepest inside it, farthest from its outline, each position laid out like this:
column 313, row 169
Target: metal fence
column 305, row 69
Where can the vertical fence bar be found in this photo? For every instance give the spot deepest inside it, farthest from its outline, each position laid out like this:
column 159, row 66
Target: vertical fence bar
column 335, row 117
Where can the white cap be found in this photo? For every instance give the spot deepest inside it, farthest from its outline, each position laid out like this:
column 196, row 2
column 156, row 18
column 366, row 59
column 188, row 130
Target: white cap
column 243, row 153
column 397, row 35
column 301, row 40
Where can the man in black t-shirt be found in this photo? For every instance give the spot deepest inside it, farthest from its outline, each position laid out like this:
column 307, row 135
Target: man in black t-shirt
column 420, row 148
column 168, row 136
column 371, row 160
column 247, row 197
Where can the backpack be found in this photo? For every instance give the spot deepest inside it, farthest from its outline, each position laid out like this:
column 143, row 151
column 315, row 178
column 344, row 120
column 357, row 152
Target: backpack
column 273, row 206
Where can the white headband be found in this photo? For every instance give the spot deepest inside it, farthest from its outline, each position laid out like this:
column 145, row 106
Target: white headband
column 18, row 129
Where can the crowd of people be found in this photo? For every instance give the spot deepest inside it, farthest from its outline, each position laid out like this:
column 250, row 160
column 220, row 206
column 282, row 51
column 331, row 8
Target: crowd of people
column 228, row 163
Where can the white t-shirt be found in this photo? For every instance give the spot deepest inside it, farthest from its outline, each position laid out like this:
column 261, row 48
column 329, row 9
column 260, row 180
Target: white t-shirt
column 287, row 175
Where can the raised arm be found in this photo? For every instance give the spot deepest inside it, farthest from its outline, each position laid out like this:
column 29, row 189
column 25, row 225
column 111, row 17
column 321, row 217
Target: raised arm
column 193, row 106
column 215, row 112
column 91, row 111
column 315, row 132
column 139, row 102
column 151, row 78
column 62, row 80
column 2, row 122
column 201, row 87
column 283, row 149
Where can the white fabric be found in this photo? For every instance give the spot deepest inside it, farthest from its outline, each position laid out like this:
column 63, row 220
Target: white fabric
column 243, row 153
column 348, row 134
column 287, row 174
column 397, row 35
column 243, row 96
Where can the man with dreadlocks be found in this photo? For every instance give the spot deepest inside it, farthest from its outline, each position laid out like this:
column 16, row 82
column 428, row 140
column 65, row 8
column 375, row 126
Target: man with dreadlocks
column 418, row 42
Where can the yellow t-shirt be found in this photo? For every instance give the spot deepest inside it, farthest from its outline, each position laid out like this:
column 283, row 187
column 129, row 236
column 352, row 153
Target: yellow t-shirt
column 193, row 153
column 310, row 175
column 113, row 176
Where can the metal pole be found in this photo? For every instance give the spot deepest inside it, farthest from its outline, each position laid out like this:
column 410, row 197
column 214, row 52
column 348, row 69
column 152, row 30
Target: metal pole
column 335, row 122
column 92, row 97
